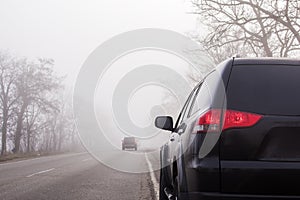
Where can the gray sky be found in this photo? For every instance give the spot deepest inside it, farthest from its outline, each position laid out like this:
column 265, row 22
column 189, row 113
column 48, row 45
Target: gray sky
column 68, row 31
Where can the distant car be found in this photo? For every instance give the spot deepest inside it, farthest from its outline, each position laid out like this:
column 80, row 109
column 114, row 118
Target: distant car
column 237, row 136
column 129, row 143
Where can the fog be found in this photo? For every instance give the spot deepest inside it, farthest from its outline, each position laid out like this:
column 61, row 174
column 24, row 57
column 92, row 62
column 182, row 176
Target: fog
column 68, row 31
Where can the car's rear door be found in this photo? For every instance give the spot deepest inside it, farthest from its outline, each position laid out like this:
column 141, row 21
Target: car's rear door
column 180, row 127
column 263, row 158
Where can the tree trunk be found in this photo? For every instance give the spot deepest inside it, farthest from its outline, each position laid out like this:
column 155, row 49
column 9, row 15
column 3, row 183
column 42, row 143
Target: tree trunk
column 4, row 132
column 54, row 141
column 59, row 143
column 19, row 128
column 267, row 48
column 4, row 135
column 60, row 136
column 28, row 141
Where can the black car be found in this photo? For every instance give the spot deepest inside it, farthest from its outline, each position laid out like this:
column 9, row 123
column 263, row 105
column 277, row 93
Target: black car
column 129, row 143
column 237, row 136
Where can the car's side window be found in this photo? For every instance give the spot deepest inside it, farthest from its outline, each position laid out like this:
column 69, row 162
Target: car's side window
column 188, row 107
column 201, row 100
column 185, row 109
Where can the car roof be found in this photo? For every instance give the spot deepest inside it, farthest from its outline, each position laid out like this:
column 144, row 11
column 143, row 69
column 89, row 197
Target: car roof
column 266, row 61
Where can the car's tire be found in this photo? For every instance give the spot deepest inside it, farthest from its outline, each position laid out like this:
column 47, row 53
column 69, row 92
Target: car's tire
column 177, row 189
column 165, row 180
column 163, row 183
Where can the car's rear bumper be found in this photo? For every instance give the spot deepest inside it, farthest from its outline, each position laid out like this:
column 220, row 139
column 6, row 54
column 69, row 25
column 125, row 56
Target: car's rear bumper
column 129, row 146
column 223, row 196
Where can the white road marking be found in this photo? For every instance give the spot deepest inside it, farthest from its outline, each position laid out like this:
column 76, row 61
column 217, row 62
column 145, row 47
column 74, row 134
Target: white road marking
column 41, row 172
column 153, row 178
column 31, row 159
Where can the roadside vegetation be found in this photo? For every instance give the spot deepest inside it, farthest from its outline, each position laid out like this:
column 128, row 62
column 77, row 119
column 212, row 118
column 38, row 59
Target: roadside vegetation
column 249, row 28
column 35, row 109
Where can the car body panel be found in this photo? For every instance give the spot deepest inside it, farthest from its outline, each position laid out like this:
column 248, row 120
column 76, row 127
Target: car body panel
column 259, row 162
column 129, row 142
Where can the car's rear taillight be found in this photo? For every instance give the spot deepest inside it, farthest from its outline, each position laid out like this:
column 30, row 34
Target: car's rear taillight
column 240, row 119
column 211, row 121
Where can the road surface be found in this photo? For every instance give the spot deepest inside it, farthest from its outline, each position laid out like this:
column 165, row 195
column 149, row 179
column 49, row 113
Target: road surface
column 72, row 176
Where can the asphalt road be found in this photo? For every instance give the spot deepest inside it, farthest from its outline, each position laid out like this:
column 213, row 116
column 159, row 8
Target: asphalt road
column 72, row 176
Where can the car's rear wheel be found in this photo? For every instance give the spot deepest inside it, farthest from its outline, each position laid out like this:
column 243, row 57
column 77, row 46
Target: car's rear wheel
column 176, row 191
column 163, row 183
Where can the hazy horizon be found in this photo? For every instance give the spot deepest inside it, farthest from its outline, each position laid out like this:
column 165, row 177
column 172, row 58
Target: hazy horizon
column 68, row 31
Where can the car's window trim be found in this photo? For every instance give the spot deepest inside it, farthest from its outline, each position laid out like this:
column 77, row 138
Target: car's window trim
column 193, row 102
column 183, row 110
column 186, row 112
column 199, row 85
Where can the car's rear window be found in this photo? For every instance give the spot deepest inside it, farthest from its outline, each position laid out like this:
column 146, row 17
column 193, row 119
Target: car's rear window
column 265, row 89
column 129, row 139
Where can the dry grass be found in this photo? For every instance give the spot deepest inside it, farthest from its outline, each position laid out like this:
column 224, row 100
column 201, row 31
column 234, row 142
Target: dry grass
column 8, row 157
column 23, row 156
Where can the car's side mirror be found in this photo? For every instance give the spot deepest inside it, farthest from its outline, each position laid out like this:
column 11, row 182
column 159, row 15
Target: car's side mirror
column 164, row 122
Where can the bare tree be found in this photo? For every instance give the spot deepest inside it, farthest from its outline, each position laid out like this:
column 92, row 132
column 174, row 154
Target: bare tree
column 8, row 76
column 249, row 27
column 35, row 82
column 35, row 114
column 33, row 126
